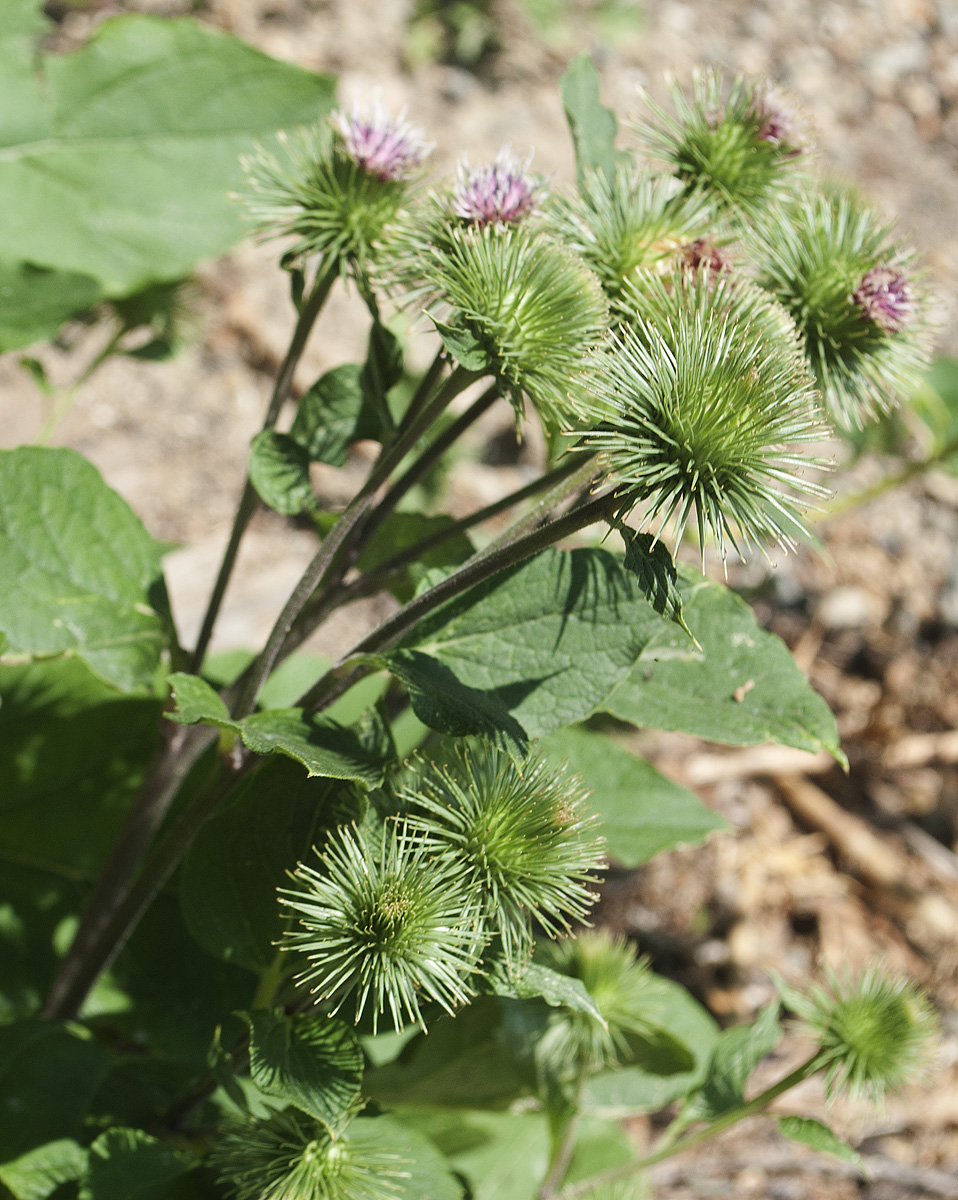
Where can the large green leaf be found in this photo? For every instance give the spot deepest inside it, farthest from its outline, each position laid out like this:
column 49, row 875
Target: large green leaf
column 279, row 470
column 544, row 643
column 360, row 752
column 34, row 302
column 48, row 1073
column 535, row 981
column 642, row 812
column 333, row 414
column 38, row 1173
column 309, row 1059
column 504, row 1156
column 239, row 858
column 128, row 1164
column 746, row 689
column 423, row 1173
column 73, row 752
column 118, row 159
column 465, row 1061
column 81, row 575
column 633, row 1089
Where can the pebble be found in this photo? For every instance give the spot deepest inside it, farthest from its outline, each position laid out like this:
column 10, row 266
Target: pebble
column 849, row 607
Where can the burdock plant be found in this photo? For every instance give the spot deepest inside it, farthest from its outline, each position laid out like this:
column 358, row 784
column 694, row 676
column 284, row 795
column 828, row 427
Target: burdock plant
column 387, row 874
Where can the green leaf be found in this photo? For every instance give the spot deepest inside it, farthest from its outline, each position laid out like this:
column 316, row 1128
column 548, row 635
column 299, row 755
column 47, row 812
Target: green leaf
column 746, row 690
column 461, row 343
column 547, row 641
column 48, row 1073
column 332, row 415
column 38, row 1173
column 642, row 812
column 310, row 1060
column 600, row 1146
column 651, row 564
column 279, row 470
column 402, row 530
column 35, row 301
column 536, row 981
column 503, row 1156
column 120, row 166
column 239, row 858
column 73, row 752
column 128, row 1164
column 592, row 125
column 81, row 575
column 426, row 1174
column 466, row 1061
column 736, row 1055
column 813, row 1133
column 360, row 752
column 635, row 1089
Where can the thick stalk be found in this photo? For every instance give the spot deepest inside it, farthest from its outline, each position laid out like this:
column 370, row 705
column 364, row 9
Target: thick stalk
column 145, row 888
column 181, row 750
column 749, row 1109
column 339, row 536
column 479, row 568
column 577, row 474
column 249, row 500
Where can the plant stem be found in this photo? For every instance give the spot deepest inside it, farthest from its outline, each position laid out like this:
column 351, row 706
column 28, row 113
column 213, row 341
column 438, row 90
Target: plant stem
column 431, row 455
column 181, row 750
column 479, row 568
column 338, row 537
column 748, row 1109
column 147, row 885
column 249, row 500
column 577, row 474
column 68, row 395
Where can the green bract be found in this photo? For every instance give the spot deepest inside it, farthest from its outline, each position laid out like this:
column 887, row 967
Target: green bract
column 617, row 981
column 389, row 922
column 289, row 1156
column 874, row 1031
column 696, row 404
column 631, row 223
column 520, row 834
column 739, row 147
column 312, row 191
column 512, row 303
column 868, row 346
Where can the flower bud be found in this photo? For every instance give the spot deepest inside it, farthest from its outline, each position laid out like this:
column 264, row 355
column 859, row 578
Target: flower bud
column 850, row 288
column 696, row 403
column 521, row 833
column 391, row 923
column 389, row 149
column 501, row 192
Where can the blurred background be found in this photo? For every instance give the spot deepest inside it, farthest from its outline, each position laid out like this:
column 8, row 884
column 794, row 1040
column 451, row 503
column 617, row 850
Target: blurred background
column 822, row 865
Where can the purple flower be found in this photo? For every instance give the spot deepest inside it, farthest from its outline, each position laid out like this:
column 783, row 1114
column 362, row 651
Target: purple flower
column 389, row 149
column 701, row 254
column 502, row 191
column 779, row 123
column 885, row 297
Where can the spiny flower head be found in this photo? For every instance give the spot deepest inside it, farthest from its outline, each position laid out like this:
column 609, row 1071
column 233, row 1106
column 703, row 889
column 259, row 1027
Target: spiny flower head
column 874, row 1032
column 617, row 981
column 521, row 833
column 501, row 192
column 390, row 922
column 696, row 404
column 334, row 202
column 631, row 223
column 388, row 148
column 527, row 309
column 739, row 148
column 850, row 288
column 289, row 1156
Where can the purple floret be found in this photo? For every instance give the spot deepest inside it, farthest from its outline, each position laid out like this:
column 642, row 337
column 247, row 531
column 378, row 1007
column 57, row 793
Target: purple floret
column 389, row 149
column 500, row 192
column 885, row 297
column 779, row 123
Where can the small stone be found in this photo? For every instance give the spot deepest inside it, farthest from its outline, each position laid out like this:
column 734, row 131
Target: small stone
column 849, row 607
